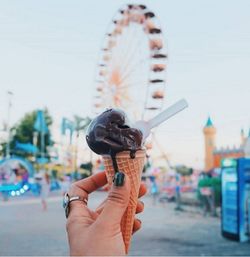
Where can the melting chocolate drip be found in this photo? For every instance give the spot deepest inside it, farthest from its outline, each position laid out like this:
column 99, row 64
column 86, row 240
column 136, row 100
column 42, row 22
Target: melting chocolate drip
column 114, row 162
column 132, row 154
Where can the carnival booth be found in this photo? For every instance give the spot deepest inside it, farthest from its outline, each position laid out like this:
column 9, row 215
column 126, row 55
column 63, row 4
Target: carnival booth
column 235, row 223
column 14, row 176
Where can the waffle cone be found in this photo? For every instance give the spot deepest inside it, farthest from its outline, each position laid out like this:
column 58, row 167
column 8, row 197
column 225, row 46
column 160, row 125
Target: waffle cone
column 133, row 168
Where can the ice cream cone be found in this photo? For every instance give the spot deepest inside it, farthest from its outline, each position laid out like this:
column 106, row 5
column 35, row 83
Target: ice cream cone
column 133, row 168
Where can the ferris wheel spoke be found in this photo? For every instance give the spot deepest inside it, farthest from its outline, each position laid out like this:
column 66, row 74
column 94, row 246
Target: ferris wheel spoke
column 141, row 83
column 132, row 69
column 131, row 65
column 125, row 41
column 129, row 59
column 131, row 54
column 124, row 44
column 129, row 76
column 115, row 53
column 132, row 75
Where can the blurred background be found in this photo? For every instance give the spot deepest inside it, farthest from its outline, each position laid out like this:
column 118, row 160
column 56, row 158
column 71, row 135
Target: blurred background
column 62, row 63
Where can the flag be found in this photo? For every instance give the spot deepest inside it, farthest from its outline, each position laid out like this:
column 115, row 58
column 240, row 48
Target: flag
column 67, row 125
column 40, row 123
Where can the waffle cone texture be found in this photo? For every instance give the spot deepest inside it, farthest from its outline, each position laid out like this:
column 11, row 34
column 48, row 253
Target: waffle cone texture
column 133, row 168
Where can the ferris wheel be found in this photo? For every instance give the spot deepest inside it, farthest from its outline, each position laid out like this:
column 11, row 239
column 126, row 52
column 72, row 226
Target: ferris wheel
column 131, row 71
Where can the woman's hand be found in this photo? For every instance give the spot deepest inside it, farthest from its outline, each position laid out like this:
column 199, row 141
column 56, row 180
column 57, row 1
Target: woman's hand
column 98, row 232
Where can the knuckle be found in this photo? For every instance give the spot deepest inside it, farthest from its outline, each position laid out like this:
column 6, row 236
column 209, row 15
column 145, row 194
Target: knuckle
column 72, row 187
column 117, row 197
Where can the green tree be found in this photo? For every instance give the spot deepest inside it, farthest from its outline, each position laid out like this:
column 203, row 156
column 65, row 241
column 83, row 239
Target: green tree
column 184, row 170
column 215, row 184
column 23, row 131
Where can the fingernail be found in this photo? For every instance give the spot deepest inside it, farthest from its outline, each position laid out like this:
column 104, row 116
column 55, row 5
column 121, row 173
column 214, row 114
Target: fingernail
column 119, row 179
column 139, row 221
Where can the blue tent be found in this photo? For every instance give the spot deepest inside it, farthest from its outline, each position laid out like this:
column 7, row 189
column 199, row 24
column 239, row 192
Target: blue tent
column 26, row 147
column 42, row 160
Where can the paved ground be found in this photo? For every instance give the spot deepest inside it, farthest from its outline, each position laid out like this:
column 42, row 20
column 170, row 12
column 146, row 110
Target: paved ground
column 26, row 230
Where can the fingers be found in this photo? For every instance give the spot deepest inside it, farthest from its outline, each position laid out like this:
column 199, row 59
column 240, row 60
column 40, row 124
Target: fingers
column 92, row 183
column 96, row 181
column 143, row 189
column 116, row 203
column 139, row 207
column 83, row 188
column 136, row 226
column 88, row 185
column 140, row 204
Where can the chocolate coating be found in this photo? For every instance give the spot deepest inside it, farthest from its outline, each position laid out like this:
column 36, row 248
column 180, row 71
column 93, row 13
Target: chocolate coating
column 110, row 133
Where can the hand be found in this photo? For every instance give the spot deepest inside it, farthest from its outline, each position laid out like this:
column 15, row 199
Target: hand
column 98, row 232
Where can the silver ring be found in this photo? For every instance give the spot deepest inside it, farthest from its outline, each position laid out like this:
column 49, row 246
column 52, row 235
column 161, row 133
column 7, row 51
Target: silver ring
column 78, row 198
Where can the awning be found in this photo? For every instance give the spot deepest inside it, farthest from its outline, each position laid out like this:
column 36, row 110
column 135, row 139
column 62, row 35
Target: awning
column 26, row 147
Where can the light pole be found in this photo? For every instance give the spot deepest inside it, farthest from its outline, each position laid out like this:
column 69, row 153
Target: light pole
column 10, row 95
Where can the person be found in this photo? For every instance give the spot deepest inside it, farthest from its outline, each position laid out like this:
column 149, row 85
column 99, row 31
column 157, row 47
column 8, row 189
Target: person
column 64, row 184
column 178, row 192
column 98, row 232
column 154, row 191
column 45, row 189
column 207, row 199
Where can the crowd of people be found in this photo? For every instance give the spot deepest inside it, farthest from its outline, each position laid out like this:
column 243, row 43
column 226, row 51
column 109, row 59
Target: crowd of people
column 162, row 186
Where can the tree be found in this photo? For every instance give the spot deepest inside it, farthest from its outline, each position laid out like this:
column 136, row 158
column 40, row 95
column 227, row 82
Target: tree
column 184, row 170
column 23, row 131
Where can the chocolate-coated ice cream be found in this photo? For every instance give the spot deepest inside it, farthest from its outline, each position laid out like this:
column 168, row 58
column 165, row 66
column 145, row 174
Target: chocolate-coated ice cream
column 110, row 133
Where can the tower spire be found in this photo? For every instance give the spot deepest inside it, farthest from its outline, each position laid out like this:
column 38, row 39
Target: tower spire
column 243, row 138
column 209, row 122
column 209, row 136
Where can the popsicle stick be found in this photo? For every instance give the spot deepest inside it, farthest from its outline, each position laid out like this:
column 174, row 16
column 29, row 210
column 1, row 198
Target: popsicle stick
column 168, row 113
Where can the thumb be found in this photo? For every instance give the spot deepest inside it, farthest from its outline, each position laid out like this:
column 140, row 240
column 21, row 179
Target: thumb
column 117, row 200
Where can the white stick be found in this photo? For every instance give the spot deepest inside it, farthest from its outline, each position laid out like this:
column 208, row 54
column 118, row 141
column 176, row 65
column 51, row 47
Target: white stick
column 169, row 112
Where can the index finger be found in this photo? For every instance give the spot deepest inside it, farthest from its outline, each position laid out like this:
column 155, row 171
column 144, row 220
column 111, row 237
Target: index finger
column 92, row 183
column 88, row 185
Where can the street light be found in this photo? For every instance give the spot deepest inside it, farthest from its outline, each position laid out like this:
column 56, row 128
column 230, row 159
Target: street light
column 9, row 95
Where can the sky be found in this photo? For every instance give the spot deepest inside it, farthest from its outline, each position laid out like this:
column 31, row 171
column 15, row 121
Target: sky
column 49, row 52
